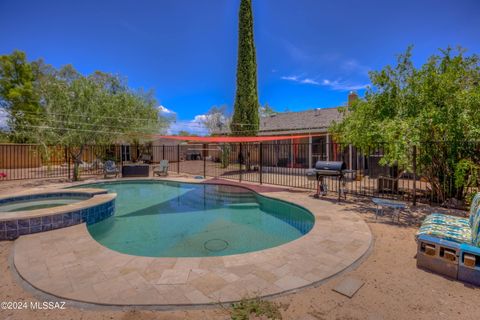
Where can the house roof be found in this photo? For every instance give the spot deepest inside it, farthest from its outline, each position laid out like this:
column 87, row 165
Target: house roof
column 317, row 120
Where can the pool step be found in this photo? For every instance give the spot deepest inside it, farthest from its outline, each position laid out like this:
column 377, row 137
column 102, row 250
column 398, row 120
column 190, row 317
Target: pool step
column 246, row 205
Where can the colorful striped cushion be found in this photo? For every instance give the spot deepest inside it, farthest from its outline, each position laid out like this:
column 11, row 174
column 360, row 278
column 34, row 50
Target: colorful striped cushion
column 453, row 228
column 447, row 232
column 444, row 219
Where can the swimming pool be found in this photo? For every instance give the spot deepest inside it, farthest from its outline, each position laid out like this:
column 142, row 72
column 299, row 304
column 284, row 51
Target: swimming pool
column 173, row 219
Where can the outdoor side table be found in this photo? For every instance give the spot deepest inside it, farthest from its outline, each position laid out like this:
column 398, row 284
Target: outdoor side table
column 135, row 170
column 397, row 206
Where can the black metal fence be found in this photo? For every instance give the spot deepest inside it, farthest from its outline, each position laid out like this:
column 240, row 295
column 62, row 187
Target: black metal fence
column 277, row 163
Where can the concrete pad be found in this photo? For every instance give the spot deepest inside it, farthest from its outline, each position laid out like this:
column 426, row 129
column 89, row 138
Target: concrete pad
column 349, row 286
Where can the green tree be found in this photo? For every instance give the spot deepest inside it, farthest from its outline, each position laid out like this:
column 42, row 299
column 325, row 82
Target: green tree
column 99, row 109
column 435, row 108
column 19, row 94
column 245, row 120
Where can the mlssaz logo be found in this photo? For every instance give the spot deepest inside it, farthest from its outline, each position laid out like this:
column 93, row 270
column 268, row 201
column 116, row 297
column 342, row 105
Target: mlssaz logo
column 47, row 305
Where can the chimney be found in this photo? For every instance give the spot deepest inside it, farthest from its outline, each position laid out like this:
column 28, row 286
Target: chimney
column 352, row 97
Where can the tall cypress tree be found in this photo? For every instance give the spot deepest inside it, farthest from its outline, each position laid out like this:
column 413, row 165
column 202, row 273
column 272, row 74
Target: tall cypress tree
column 245, row 119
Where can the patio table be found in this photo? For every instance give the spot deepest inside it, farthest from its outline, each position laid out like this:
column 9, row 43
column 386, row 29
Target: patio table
column 397, row 206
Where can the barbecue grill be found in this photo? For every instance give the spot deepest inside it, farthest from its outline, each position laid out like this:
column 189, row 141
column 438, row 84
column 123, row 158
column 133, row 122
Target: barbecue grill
column 327, row 169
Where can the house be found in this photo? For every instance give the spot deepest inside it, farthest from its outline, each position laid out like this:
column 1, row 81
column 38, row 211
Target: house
column 292, row 153
column 306, row 151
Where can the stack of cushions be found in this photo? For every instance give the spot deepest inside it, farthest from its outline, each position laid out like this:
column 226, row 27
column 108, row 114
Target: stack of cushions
column 461, row 230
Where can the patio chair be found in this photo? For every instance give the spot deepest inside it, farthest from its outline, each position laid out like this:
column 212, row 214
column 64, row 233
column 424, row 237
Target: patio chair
column 110, row 168
column 388, row 184
column 162, row 169
column 451, row 245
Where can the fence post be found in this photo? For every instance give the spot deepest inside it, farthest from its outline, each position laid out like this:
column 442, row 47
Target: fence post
column 414, row 167
column 163, row 152
column 240, row 158
column 260, row 167
column 178, row 158
column 68, row 162
column 204, row 152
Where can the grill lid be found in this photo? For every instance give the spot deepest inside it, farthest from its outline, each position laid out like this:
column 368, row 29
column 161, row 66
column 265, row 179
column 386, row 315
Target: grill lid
column 330, row 165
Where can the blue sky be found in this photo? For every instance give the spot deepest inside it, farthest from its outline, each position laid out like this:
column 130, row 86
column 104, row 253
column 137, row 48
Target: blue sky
column 310, row 53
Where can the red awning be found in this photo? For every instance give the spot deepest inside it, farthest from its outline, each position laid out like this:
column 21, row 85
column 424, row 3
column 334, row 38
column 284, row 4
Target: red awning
column 228, row 139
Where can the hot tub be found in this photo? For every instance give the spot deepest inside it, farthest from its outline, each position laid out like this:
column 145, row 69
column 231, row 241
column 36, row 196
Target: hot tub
column 46, row 210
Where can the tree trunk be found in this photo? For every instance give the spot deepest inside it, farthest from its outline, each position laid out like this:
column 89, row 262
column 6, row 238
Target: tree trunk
column 77, row 161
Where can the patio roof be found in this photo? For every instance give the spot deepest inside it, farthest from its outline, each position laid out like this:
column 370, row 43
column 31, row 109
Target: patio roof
column 229, row 139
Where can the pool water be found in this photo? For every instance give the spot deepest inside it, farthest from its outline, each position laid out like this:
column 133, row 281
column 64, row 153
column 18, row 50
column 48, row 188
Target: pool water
column 35, row 204
column 172, row 219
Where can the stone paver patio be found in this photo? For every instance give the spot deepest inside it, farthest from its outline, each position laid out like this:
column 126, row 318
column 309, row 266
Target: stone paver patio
column 70, row 264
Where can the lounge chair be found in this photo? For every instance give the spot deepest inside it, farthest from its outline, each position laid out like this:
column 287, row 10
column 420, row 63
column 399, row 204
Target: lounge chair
column 451, row 245
column 162, row 169
column 110, row 168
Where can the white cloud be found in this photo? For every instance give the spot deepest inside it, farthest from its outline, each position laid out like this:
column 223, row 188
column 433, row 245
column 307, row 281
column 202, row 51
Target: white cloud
column 194, row 126
column 165, row 110
column 199, row 118
column 343, row 86
column 290, row 78
column 309, row 81
column 300, row 79
column 337, row 85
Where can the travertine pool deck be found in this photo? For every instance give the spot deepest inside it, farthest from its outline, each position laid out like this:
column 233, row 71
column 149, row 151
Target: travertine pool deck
column 70, row 264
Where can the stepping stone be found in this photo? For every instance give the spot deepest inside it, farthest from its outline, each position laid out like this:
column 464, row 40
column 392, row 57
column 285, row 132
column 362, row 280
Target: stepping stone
column 349, row 286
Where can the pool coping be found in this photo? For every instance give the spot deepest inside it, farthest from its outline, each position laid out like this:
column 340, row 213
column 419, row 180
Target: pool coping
column 338, row 241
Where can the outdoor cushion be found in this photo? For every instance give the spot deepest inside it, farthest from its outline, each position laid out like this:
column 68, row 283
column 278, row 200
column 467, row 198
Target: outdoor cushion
column 444, row 219
column 455, row 228
column 447, row 232
column 474, row 212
